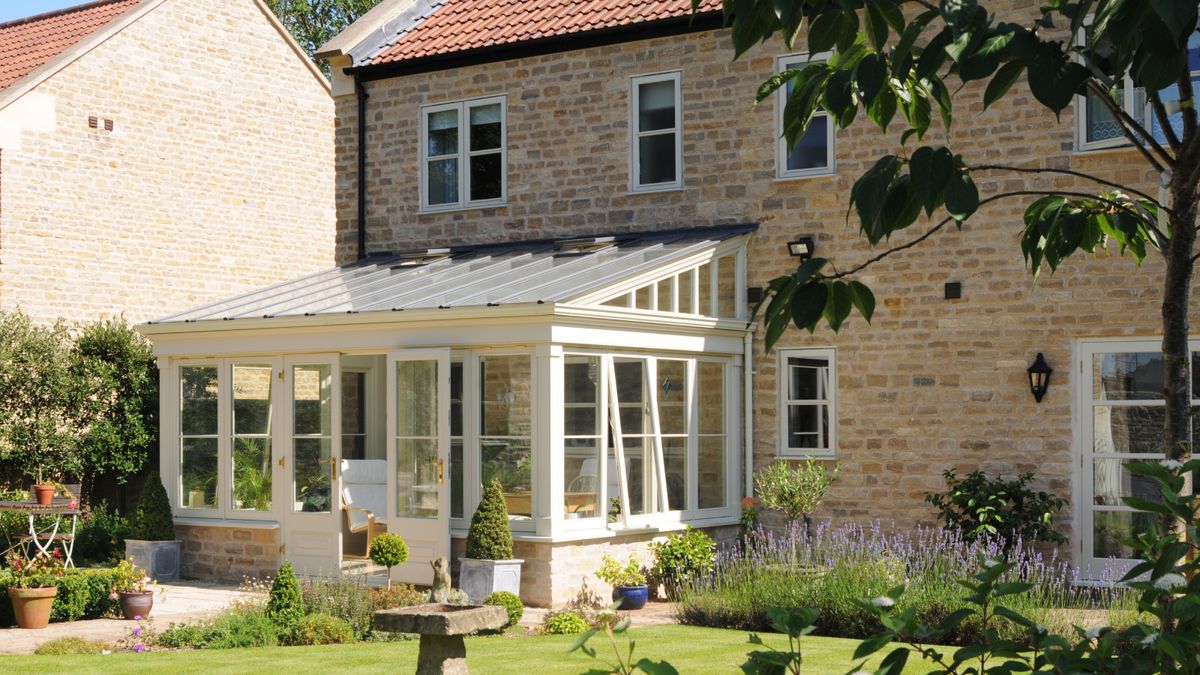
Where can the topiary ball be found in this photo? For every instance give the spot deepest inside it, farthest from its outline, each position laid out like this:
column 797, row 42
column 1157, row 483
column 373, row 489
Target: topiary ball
column 511, row 604
column 388, row 550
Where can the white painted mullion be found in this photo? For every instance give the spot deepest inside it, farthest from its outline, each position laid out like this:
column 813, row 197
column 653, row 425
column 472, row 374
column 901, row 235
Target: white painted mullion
column 693, row 445
column 618, row 440
column 660, row 466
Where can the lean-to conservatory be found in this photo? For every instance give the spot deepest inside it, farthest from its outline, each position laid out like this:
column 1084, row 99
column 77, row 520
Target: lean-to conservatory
column 600, row 380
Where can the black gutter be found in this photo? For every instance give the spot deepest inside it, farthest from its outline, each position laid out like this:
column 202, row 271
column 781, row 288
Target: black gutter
column 361, row 92
column 552, row 45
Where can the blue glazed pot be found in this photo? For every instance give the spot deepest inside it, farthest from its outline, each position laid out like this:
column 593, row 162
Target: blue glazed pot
column 632, row 597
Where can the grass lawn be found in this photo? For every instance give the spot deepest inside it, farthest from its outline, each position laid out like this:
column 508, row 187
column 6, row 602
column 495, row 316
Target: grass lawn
column 690, row 649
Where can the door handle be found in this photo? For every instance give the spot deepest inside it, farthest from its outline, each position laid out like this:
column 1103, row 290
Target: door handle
column 281, row 460
column 333, row 465
column 441, row 472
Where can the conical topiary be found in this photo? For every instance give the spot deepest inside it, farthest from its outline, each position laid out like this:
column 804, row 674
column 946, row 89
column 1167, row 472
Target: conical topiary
column 286, row 606
column 489, row 537
column 152, row 518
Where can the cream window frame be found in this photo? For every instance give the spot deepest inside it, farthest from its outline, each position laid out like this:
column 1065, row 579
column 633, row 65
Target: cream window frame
column 785, row 402
column 636, row 134
column 782, row 150
column 463, row 155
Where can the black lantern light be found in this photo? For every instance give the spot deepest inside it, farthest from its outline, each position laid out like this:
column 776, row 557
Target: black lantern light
column 1039, row 377
column 802, row 248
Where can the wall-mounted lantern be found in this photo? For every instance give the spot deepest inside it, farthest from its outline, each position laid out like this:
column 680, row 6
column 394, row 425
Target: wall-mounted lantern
column 1039, row 377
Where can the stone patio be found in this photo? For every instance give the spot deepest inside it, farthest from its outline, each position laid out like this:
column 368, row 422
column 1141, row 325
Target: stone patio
column 184, row 601
column 653, row 614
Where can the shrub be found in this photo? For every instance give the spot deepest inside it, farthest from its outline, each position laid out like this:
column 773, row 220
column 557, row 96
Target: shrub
column 286, row 604
column 489, row 537
column 565, row 623
column 796, row 492
column 345, row 597
column 82, row 594
column 454, row 596
column 612, row 573
column 389, row 550
column 180, row 636
column 101, row 536
column 682, row 557
column 400, row 595
column 242, row 626
column 322, row 629
column 511, row 604
column 978, row 506
column 70, row 646
column 152, row 518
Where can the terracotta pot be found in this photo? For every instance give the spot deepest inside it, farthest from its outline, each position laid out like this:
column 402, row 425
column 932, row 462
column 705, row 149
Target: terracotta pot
column 43, row 494
column 136, row 604
column 32, row 606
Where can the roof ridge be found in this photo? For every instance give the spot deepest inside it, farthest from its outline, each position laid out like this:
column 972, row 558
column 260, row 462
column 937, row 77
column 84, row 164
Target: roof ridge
column 55, row 13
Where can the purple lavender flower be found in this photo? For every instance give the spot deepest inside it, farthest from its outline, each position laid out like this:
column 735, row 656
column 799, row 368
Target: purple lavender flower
column 139, row 647
column 137, row 632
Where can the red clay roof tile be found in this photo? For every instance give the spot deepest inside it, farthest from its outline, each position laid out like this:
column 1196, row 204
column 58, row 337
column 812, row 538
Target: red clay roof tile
column 461, row 25
column 29, row 43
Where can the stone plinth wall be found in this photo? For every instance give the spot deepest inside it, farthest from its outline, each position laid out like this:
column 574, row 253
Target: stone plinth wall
column 228, row 554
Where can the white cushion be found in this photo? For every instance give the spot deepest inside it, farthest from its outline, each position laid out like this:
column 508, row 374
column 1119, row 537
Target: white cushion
column 364, row 486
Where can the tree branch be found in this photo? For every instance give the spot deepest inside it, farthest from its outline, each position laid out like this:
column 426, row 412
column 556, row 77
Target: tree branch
column 1129, row 125
column 1003, row 195
column 1068, row 172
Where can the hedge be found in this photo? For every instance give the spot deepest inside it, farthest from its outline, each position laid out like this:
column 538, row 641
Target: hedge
column 82, row 594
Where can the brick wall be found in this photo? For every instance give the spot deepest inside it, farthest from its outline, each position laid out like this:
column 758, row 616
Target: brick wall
column 932, row 383
column 217, row 176
column 228, row 553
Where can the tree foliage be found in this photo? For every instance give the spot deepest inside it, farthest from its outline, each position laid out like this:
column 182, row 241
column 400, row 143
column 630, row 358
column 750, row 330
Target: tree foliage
column 489, row 537
column 315, row 22
column 152, row 519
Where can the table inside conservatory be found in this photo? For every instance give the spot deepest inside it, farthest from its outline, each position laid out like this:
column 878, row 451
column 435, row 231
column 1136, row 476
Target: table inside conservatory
column 58, row 510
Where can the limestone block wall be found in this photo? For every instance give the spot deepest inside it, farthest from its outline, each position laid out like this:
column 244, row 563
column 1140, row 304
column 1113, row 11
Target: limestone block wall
column 932, row 383
column 207, row 171
column 228, row 554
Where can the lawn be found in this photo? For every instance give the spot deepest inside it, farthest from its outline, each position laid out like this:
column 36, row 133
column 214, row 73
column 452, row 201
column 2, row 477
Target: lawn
column 690, row 649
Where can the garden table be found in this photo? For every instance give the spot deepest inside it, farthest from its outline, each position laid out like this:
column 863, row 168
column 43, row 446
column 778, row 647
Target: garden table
column 59, row 508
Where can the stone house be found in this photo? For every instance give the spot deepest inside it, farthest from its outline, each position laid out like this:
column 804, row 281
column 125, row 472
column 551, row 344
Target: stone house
column 550, row 232
column 158, row 154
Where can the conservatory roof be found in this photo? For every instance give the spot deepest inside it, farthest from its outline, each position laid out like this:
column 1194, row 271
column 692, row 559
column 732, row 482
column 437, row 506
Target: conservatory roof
column 487, row 275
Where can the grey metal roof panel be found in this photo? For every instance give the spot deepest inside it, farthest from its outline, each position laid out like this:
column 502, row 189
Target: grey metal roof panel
column 518, row 272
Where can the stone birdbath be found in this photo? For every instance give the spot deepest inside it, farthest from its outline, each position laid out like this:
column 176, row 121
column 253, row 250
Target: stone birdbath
column 441, row 628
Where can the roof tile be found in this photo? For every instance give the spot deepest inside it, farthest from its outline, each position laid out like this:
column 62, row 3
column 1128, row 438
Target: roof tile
column 460, row 25
column 28, row 44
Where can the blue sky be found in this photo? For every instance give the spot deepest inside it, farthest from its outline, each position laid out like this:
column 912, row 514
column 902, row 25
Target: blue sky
column 15, row 9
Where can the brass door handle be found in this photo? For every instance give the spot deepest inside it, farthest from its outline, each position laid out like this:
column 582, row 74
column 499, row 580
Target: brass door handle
column 333, row 465
column 441, row 470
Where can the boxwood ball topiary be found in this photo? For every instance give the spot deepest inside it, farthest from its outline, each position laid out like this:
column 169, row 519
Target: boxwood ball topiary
column 286, row 606
column 489, row 537
column 152, row 518
column 511, row 604
column 388, row 550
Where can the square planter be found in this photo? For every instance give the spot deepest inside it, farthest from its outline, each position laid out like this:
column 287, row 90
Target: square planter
column 481, row 578
column 160, row 559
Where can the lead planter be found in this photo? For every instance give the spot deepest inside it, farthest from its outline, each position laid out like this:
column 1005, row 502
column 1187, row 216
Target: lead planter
column 481, row 578
column 160, row 559
column 32, row 606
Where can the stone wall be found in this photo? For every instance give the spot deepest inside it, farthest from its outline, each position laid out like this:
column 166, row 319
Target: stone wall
column 228, row 554
column 932, row 383
column 216, row 177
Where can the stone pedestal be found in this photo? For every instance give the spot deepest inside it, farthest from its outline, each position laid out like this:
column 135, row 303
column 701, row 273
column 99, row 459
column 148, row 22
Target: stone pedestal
column 441, row 628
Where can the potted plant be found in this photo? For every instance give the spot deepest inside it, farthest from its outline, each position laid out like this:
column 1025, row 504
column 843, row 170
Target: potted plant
column 796, row 492
column 628, row 582
column 32, row 590
column 134, row 588
column 389, row 550
column 489, row 565
column 153, row 546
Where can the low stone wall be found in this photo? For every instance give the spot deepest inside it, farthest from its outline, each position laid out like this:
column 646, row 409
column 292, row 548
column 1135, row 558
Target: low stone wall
column 227, row 554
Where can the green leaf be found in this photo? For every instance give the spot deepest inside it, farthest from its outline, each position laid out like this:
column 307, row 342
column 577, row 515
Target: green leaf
column 656, row 667
column 1053, row 77
column 917, row 113
column 872, row 644
column 931, row 171
column 894, row 662
column 824, row 30
column 774, row 83
column 870, row 75
column 1002, row 82
column 808, row 268
column 808, row 304
column 962, row 197
column 838, row 305
column 581, row 640
column 876, row 26
column 882, row 109
column 900, row 208
column 1179, row 17
column 863, row 299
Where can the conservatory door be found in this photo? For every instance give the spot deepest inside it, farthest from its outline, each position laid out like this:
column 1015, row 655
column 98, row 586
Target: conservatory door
column 1122, row 418
column 418, row 422
column 312, row 535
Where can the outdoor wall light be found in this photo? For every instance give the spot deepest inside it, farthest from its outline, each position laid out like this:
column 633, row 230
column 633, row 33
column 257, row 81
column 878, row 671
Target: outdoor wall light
column 802, row 248
column 1039, row 377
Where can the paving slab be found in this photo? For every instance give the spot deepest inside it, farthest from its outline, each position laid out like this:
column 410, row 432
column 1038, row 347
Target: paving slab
column 183, row 602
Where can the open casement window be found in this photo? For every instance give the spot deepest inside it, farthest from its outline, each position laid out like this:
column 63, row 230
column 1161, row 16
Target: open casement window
column 656, row 126
column 226, row 422
column 807, row 380
column 1098, row 128
column 813, row 154
column 713, row 288
column 463, row 154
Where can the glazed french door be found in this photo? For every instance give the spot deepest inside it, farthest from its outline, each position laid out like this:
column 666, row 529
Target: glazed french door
column 312, row 534
column 418, row 423
column 1122, row 413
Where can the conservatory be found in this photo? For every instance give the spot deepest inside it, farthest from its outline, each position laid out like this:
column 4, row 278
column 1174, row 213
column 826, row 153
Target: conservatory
column 601, row 380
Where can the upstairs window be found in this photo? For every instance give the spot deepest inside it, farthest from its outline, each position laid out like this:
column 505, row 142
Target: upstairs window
column 656, row 159
column 463, row 154
column 813, row 153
